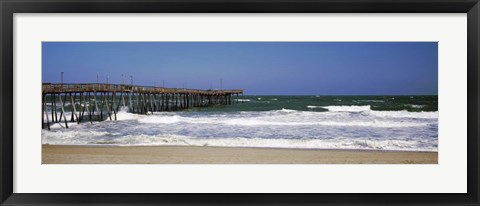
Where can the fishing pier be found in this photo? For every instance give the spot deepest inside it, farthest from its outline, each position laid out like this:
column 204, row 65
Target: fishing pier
column 98, row 102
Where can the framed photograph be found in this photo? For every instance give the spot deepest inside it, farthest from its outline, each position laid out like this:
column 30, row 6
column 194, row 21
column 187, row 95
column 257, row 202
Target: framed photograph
column 239, row 102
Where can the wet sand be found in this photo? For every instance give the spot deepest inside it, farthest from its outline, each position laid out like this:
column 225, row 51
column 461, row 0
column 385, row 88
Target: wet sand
column 59, row 154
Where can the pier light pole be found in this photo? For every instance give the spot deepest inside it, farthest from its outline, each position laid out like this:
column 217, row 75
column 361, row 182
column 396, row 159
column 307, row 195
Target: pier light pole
column 163, row 83
column 62, row 77
column 221, row 84
column 97, row 78
column 154, row 84
column 123, row 80
column 131, row 93
column 107, row 79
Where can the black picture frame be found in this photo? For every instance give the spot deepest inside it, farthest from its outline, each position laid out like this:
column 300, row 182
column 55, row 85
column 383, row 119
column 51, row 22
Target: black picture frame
column 10, row 7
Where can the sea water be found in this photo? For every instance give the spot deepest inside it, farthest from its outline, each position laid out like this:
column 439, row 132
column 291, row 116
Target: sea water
column 405, row 123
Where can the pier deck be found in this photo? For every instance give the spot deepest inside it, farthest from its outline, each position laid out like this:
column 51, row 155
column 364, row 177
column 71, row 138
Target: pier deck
column 98, row 102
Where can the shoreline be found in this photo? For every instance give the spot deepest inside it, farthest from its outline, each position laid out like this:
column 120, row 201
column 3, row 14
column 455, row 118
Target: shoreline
column 245, row 147
column 112, row 154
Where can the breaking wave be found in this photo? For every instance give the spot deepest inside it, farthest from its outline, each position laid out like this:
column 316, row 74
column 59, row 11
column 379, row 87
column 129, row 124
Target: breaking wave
column 92, row 138
column 341, row 127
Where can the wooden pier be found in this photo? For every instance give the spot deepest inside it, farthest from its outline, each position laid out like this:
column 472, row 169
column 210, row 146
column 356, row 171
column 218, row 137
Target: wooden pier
column 98, row 102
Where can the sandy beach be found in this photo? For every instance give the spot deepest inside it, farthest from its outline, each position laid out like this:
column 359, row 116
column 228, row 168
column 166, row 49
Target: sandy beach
column 59, row 154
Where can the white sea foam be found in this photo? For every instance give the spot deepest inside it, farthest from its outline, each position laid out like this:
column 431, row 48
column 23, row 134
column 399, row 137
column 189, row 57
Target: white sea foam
column 90, row 138
column 286, row 117
column 287, row 110
column 369, row 100
column 416, row 106
column 405, row 114
column 347, row 108
column 161, row 119
column 243, row 100
column 393, row 114
column 341, row 127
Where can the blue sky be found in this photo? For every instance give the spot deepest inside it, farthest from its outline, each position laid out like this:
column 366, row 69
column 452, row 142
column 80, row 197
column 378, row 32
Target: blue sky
column 268, row 68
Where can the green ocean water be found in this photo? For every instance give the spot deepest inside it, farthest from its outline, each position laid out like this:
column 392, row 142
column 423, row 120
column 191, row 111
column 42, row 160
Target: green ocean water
column 318, row 103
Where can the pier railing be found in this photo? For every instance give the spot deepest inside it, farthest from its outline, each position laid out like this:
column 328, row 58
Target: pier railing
column 98, row 87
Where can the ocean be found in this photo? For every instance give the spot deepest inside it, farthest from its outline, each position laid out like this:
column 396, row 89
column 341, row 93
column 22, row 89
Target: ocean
column 400, row 123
